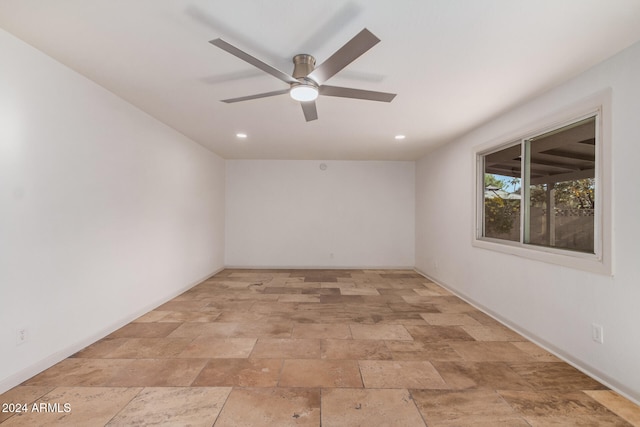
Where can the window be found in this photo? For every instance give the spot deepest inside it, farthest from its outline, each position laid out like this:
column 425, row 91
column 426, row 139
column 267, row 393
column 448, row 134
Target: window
column 560, row 192
column 541, row 194
column 502, row 188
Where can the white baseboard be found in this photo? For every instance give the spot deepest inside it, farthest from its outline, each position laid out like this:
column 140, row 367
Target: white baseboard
column 45, row 363
column 570, row 359
column 320, row 267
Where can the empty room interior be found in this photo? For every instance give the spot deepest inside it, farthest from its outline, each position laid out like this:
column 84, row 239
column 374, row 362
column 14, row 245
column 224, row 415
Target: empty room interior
column 348, row 212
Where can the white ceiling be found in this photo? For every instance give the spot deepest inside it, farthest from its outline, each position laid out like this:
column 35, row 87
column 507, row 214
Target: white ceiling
column 453, row 63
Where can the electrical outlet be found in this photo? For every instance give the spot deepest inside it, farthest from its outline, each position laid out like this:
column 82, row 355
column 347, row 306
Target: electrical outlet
column 21, row 336
column 597, row 333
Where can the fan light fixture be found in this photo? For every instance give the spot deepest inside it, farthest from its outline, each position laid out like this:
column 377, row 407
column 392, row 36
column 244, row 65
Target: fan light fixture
column 304, row 92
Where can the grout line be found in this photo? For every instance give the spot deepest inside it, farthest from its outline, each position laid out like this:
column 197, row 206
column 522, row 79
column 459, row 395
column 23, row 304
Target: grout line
column 208, row 360
column 223, row 405
column 416, row 406
column 364, row 386
column 126, row 404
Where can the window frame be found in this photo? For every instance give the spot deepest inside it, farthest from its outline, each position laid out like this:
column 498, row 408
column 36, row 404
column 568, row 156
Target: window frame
column 601, row 260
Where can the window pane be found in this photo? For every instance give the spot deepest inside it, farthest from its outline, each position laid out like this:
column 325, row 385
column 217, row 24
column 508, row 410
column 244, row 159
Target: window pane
column 561, row 172
column 501, row 203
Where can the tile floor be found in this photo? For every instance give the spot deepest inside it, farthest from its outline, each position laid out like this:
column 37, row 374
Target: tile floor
column 316, row 347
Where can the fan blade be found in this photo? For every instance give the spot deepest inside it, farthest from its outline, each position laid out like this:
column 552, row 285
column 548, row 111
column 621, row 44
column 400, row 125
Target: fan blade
column 257, row 96
column 362, row 42
column 347, row 92
column 253, row 61
column 309, row 110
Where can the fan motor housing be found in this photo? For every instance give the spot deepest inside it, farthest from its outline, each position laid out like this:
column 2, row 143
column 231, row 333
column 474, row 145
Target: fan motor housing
column 303, row 65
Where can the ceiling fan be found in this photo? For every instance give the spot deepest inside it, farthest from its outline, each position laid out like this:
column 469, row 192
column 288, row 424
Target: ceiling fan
column 307, row 81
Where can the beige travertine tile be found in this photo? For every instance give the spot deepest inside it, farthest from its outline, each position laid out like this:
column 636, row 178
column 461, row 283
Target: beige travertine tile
column 259, row 274
column 80, row 372
column 21, row 395
column 87, row 406
column 342, row 299
column 617, row 404
column 480, row 375
column 145, row 330
column 492, row 333
column 180, row 305
column 240, row 373
column 424, row 292
column 152, row 316
column 299, row 298
column 401, row 274
column 555, row 376
column 404, row 307
column 417, row 299
column 400, row 374
column 364, row 284
column 225, row 348
column 404, row 284
column 179, row 406
column 369, row 407
column 485, row 351
column 207, row 329
column 340, row 284
column 241, row 317
column 398, row 318
column 367, row 277
column 561, row 408
column 282, row 407
column 157, row 373
column 359, row 291
column 101, row 348
column 263, row 330
column 399, row 293
column 465, row 408
column 438, row 333
column 222, row 304
column 355, row 350
column 286, row 348
column 535, row 352
column 483, row 319
column 320, row 330
column 450, row 307
column 379, row 332
column 271, row 308
column 149, row 348
column 277, row 336
column 320, row 373
column 451, row 319
column 437, row 289
column 189, row 316
column 418, row 350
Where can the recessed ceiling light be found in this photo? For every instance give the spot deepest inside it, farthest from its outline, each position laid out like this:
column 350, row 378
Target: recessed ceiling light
column 241, row 135
column 399, row 137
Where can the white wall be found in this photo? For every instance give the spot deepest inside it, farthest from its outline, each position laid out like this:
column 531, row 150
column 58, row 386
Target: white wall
column 293, row 214
column 104, row 211
column 555, row 305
